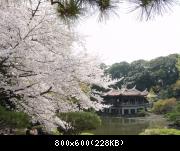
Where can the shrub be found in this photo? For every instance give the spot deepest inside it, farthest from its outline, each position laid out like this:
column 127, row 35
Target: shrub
column 142, row 113
column 164, row 131
column 12, row 119
column 89, row 110
column 80, row 121
column 164, row 106
column 174, row 116
column 86, row 133
column 55, row 132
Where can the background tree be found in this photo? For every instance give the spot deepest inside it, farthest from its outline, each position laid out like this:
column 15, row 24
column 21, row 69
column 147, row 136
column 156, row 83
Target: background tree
column 160, row 74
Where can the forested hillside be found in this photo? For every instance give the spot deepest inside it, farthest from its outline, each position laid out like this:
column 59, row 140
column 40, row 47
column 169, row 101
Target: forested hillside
column 160, row 75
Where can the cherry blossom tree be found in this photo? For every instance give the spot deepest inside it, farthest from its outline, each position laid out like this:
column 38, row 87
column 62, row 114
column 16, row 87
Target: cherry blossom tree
column 39, row 73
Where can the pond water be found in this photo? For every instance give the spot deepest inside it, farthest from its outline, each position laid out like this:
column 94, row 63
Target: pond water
column 129, row 126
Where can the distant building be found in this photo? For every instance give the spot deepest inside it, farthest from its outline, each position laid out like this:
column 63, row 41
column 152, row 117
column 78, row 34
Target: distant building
column 125, row 101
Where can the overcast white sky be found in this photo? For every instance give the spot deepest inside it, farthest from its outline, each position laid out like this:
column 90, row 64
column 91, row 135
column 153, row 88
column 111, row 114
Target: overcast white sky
column 125, row 38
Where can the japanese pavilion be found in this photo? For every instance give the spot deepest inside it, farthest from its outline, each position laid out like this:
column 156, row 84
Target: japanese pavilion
column 125, row 101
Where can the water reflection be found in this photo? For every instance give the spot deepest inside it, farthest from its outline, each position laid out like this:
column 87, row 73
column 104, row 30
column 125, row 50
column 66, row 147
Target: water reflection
column 128, row 126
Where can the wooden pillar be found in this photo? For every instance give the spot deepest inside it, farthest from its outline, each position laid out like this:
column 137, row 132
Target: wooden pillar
column 110, row 110
column 129, row 111
column 119, row 110
column 122, row 111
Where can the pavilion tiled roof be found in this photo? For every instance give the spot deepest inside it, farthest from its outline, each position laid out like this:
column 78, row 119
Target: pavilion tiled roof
column 126, row 92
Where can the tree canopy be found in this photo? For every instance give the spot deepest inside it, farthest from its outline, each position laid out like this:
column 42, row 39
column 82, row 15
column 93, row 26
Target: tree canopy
column 39, row 73
column 159, row 74
column 75, row 8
